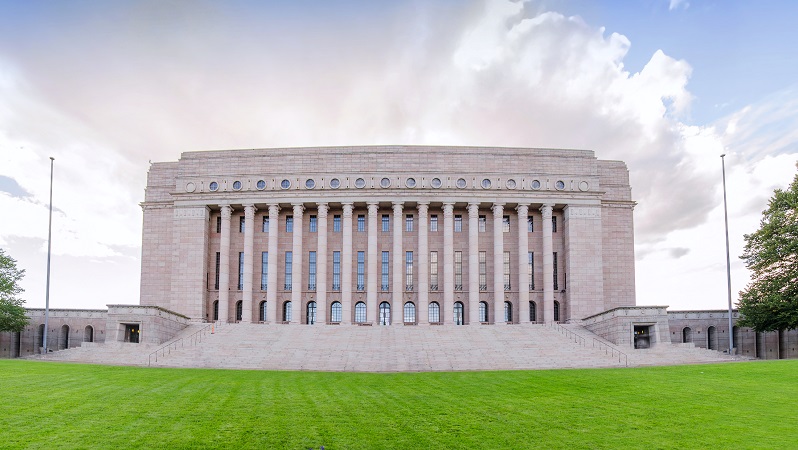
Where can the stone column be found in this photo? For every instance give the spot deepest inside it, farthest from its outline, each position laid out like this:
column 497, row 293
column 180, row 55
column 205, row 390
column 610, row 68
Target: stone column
column 249, row 245
column 321, row 265
column 548, row 265
column 372, row 271
column 498, row 263
column 296, row 271
column 448, row 262
column 224, row 265
column 272, row 313
column 346, row 265
column 523, row 264
column 473, row 263
column 422, row 315
column 398, row 264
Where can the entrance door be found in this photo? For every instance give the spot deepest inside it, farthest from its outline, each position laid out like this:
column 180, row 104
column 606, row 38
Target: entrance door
column 311, row 313
column 385, row 313
column 132, row 333
column 458, row 313
column 642, row 337
column 16, row 346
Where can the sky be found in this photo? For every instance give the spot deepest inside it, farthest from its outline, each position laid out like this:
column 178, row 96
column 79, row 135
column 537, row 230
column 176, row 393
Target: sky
column 665, row 85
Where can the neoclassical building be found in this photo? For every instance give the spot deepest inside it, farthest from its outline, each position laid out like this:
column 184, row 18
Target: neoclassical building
column 388, row 235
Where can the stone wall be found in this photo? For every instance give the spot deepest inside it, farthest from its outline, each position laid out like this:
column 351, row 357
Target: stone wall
column 617, row 325
column 157, row 324
column 67, row 328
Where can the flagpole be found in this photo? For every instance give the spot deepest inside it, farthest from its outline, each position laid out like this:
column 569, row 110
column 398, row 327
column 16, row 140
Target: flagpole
column 49, row 241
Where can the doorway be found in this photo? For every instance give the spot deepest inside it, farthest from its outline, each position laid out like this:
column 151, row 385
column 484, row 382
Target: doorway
column 385, row 313
column 642, row 336
column 132, row 333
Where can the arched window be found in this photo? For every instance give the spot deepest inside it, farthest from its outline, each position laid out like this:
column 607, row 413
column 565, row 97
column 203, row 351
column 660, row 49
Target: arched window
column 287, row 313
column 335, row 310
column 239, row 310
column 216, row 310
column 88, row 334
column 434, row 312
column 483, row 311
column 360, row 312
column 262, row 311
column 385, row 313
column 687, row 335
column 556, row 311
column 63, row 339
column 712, row 342
column 533, row 312
column 458, row 313
column 311, row 313
column 40, row 339
column 508, row 312
column 410, row 312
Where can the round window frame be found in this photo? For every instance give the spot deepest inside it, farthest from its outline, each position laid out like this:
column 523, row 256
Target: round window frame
column 535, row 185
column 261, row 185
column 285, row 184
column 237, row 183
column 213, row 186
column 436, row 183
column 511, row 184
column 559, row 185
column 310, row 183
column 360, row 183
column 410, row 182
column 486, row 181
column 385, row 183
column 335, row 183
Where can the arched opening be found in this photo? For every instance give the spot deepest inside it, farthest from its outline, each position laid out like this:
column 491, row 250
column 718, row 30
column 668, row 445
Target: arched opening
column 483, row 311
column 508, row 312
column 385, row 313
column 434, row 312
column 216, row 310
column 287, row 312
column 262, row 311
column 533, row 312
column 458, row 313
column 360, row 312
column 335, row 312
column 63, row 338
column 410, row 313
column 239, row 310
column 687, row 335
column 736, row 339
column 88, row 334
column 556, row 311
column 311, row 313
column 40, row 337
column 712, row 341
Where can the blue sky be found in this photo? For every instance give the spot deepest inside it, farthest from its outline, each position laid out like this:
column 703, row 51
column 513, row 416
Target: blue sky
column 666, row 86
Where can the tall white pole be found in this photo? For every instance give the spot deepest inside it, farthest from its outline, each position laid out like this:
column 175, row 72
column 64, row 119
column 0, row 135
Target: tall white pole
column 728, row 261
column 49, row 240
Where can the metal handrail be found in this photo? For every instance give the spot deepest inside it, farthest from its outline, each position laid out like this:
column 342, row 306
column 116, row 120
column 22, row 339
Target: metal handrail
column 194, row 339
column 612, row 351
column 569, row 334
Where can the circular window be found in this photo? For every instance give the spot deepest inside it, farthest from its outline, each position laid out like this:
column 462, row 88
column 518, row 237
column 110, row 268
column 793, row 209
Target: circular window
column 285, row 184
column 436, row 183
column 310, row 184
column 385, row 182
column 485, row 183
column 461, row 183
column 360, row 183
column 335, row 183
column 190, row 187
column 535, row 184
column 583, row 186
column 511, row 184
column 261, row 185
column 237, row 185
column 214, row 186
column 410, row 182
column 560, row 185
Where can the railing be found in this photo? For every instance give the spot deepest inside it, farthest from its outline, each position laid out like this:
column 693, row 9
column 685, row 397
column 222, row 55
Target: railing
column 433, row 287
column 194, row 339
column 458, row 287
column 569, row 334
column 507, row 286
column 483, row 287
column 409, row 287
column 612, row 351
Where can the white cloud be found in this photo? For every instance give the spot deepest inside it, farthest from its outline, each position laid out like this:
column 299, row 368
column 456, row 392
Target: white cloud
column 676, row 4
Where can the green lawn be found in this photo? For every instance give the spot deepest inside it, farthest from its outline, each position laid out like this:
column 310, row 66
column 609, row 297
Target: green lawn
column 738, row 405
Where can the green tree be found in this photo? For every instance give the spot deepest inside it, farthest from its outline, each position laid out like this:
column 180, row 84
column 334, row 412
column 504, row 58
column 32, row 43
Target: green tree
column 12, row 313
column 770, row 301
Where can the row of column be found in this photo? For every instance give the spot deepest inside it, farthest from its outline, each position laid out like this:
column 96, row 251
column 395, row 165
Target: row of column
column 372, row 272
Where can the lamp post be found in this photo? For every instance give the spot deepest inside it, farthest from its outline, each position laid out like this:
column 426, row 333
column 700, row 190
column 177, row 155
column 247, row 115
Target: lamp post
column 49, row 240
column 728, row 261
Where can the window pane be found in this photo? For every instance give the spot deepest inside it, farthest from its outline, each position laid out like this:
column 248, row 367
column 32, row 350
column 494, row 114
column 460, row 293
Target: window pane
column 265, row 224
column 289, row 258
column 240, row 270
column 336, row 312
column 458, row 223
column 483, row 223
column 506, row 224
column 458, row 271
column 433, row 271
column 386, row 223
column 336, row 223
column 385, row 258
column 312, row 271
column 433, row 222
column 360, row 312
column 264, row 270
column 410, row 313
column 361, row 223
column 361, row 270
column 289, row 224
column 434, row 312
column 313, row 224
column 336, row 271
column 409, row 223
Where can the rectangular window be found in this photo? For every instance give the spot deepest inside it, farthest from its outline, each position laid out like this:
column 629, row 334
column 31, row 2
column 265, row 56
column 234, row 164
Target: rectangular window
column 409, row 223
column 458, row 271
column 241, row 222
column 385, row 258
column 265, row 224
column 506, row 224
column 264, row 270
column 531, row 271
column 289, row 270
column 553, row 224
column 313, row 224
column 386, row 223
column 336, row 271
column 483, row 223
column 312, row 271
column 289, row 224
column 458, row 223
column 219, row 224
column 337, row 223
column 408, row 271
column 361, row 223
column 218, row 263
column 529, row 223
column 506, row 271
column 361, row 271
column 433, row 271
column 483, row 271
column 240, row 270
column 433, row 222
column 556, row 287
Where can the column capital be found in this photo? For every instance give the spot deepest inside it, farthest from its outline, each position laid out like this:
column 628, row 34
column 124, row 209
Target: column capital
column 323, row 209
column 473, row 210
column 498, row 208
column 522, row 209
column 274, row 208
column 249, row 211
column 423, row 209
column 398, row 207
column 448, row 209
column 546, row 209
column 227, row 210
column 299, row 208
column 348, row 208
column 373, row 207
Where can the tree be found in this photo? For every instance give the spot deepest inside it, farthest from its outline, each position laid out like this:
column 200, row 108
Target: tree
column 770, row 301
column 12, row 313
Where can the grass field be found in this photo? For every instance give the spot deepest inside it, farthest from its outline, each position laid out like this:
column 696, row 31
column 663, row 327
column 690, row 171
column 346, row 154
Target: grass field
column 739, row 405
